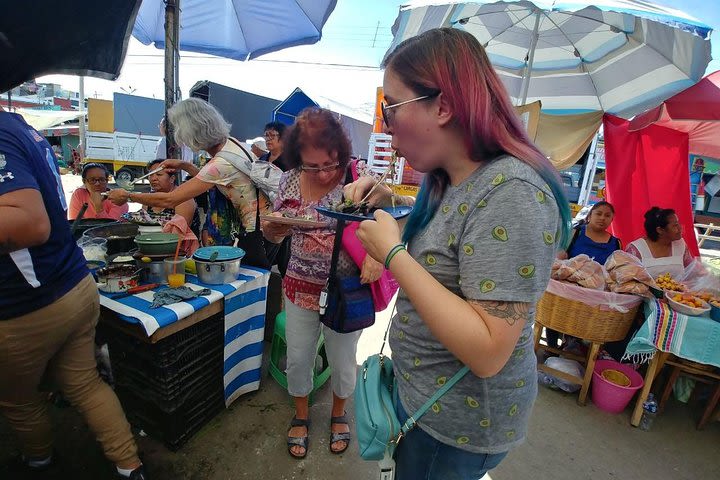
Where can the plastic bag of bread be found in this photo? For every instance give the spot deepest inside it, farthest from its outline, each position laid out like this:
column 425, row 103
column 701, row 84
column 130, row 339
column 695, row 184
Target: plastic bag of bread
column 581, row 270
column 631, row 287
column 623, row 267
column 619, row 258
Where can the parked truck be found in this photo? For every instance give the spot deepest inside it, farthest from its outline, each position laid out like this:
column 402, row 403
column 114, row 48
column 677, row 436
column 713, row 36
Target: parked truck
column 123, row 134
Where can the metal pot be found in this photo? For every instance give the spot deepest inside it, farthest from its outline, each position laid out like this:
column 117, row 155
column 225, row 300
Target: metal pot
column 120, row 236
column 152, row 272
column 217, row 273
column 117, row 278
column 218, row 265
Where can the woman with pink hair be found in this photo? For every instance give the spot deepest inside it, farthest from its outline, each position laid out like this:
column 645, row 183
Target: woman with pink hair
column 472, row 260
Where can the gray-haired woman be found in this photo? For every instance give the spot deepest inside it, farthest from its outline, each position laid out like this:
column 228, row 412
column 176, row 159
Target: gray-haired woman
column 238, row 201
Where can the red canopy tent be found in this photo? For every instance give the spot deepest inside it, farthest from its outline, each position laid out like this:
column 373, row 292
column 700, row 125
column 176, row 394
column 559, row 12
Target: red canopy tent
column 646, row 158
column 695, row 111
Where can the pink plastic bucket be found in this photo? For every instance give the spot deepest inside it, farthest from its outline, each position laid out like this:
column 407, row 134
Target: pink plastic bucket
column 608, row 396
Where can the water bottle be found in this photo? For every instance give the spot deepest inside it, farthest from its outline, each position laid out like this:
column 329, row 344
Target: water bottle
column 649, row 413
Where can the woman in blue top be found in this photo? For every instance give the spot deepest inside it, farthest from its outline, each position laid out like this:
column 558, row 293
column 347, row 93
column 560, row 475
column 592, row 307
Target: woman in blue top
column 592, row 238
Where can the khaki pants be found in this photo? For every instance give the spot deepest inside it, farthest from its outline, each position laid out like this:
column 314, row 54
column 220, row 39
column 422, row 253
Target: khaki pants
column 58, row 342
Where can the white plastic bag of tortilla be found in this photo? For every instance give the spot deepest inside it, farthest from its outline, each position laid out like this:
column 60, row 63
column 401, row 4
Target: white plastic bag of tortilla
column 698, row 278
column 595, row 298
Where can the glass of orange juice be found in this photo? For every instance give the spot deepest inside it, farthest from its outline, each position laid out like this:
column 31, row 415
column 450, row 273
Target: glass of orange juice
column 175, row 271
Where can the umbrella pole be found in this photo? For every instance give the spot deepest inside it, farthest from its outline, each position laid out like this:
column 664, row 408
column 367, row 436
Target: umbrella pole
column 172, row 59
column 530, row 60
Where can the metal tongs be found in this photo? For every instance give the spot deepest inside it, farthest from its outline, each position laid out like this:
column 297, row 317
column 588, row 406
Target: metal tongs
column 129, row 186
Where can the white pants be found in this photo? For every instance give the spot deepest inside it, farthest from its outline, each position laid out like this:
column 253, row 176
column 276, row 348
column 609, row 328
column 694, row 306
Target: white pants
column 302, row 331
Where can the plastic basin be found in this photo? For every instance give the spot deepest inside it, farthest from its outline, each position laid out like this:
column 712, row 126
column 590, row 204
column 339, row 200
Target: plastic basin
column 608, row 396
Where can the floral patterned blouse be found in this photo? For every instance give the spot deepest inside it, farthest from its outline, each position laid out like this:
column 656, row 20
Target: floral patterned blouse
column 311, row 248
column 236, row 186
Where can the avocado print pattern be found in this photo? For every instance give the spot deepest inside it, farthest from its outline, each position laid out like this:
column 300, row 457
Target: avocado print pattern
column 468, row 249
column 451, row 240
column 471, row 402
column 500, row 233
column 482, row 203
column 499, row 178
column 527, row 271
column 436, row 407
column 487, row 286
column 548, row 238
column 463, row 209
column 540, row 196
column 430, row 259
column 446, row 208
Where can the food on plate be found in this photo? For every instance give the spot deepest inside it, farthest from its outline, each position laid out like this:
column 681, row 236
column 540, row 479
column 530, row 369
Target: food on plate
column 352, row 208
column 666, row 282
column 715, row 303
column 688, row 299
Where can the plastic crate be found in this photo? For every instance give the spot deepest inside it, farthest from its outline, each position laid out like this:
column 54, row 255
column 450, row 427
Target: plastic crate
column 169, row 392
column 176, row 427
column 170, row 350
column 129, row 357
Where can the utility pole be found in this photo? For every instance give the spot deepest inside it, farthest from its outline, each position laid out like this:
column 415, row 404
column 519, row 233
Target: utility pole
column 376, row 32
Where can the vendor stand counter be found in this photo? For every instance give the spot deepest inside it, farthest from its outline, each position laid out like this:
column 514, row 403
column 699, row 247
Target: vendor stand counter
column 177, row 366
column 666, row 333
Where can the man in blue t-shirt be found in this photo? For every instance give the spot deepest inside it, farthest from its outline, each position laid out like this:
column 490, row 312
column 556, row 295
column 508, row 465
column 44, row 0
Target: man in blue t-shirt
column 49, row 307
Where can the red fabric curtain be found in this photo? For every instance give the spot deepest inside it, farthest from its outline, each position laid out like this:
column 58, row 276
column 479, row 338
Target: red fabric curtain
column 644, row 169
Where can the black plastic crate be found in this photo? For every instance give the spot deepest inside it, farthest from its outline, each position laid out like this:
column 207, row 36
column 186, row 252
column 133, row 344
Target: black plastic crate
column 169, row 392
column 170, row 350
column 161, row 363
column 174, row 375
column 176, row 427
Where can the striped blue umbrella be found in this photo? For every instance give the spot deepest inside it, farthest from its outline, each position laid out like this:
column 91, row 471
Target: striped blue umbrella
column 618, row 56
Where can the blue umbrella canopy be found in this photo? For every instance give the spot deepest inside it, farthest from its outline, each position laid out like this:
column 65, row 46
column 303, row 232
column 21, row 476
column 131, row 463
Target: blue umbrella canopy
column 237, row 29
column 617, row 56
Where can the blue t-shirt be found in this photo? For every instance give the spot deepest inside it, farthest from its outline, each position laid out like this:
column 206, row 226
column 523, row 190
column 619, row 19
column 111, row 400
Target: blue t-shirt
column 35, row 277
column 595, row 250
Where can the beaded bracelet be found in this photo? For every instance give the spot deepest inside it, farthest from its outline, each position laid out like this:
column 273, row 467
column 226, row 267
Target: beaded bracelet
column 393, row 251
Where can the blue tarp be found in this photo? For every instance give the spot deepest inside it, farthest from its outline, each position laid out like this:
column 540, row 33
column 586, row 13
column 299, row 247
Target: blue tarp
column 291, row 106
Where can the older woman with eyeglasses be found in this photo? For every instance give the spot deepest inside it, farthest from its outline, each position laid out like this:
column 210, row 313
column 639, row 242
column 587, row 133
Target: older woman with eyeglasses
column 95, row 182
column 319, row 151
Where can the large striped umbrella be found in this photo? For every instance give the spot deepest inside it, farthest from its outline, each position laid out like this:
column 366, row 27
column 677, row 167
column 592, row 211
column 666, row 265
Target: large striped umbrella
column 621, row 56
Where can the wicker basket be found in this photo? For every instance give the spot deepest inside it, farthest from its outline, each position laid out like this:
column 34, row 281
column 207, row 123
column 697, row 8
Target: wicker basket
column 581, row 320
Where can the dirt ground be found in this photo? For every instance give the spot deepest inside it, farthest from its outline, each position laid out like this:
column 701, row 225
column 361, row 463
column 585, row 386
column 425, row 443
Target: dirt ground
column 247, row 441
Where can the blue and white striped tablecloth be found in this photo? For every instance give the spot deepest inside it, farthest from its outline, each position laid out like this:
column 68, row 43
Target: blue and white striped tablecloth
column 244, row 322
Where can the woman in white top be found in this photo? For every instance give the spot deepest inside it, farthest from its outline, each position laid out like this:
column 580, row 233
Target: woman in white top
column 663, row 250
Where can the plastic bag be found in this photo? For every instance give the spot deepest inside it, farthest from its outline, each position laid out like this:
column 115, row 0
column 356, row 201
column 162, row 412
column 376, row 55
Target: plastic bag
column 698, row 278
column 626, row 274
column 595, row 298
column 565, row 365
column 581, row 270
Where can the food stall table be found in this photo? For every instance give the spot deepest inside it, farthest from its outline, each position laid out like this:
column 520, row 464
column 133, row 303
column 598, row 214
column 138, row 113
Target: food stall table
column 665, row 333
column 178, row 365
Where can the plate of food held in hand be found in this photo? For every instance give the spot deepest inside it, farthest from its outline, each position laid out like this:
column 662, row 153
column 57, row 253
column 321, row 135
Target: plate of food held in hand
column 306, row 221
column 687, row 303
column 357, row 212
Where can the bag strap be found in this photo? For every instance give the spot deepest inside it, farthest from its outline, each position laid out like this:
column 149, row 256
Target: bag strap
column 337, row 245
column 412, row 420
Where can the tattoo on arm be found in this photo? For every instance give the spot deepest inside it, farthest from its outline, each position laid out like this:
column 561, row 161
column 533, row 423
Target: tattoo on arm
column 511, row 312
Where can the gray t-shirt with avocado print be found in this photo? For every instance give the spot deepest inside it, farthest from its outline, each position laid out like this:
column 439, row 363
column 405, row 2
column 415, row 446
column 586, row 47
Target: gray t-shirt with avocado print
column 492, row 238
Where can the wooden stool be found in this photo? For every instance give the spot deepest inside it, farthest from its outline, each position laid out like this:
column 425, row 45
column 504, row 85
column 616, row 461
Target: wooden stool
column 699, row 372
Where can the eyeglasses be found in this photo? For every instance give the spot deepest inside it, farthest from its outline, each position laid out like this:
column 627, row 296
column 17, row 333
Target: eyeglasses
column 96, row 181
column 328, row 168
column 270, row 136
column 387, row 114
